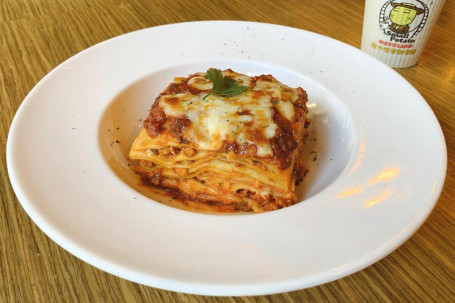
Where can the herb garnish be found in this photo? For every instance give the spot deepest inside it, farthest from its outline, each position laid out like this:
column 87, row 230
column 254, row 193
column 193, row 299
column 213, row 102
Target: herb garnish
column 223, row 86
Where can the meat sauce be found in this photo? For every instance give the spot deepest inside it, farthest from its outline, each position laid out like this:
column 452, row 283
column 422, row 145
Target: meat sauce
column 153, row 124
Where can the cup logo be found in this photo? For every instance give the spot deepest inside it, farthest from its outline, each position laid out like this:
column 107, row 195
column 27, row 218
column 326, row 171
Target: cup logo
column 402, row 21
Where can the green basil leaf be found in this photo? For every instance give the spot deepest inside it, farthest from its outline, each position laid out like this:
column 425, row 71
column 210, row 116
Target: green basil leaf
column 223, row 86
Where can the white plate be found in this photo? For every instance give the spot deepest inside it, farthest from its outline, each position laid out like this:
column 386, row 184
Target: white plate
column 379, row 168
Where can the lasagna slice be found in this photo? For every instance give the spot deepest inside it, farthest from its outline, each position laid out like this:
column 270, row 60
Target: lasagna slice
column 221, row 150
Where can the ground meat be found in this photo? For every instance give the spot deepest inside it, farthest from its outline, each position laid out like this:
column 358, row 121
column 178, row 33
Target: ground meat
column 176, row 127
column 147, row 163
column 175, row 150
column 189, row 152
column 182, row 87
column 155, row 177
column 241, row 149
column 284, row 143
column 153, row 124
column 245, row 193
column 246, row 149
column 268, row 78
column 283, row 146
column 181, row 171
column 165, row 151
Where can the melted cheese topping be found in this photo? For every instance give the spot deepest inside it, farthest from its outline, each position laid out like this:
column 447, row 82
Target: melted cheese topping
column 246, row 118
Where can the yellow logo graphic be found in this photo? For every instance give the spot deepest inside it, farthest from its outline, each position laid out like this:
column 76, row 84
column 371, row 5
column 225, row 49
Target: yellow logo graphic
column 402, row 21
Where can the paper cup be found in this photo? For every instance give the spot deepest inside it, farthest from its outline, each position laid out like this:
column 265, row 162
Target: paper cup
column 396, row 31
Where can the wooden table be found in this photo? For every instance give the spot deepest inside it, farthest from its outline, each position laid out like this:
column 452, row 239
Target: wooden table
column 38, row 35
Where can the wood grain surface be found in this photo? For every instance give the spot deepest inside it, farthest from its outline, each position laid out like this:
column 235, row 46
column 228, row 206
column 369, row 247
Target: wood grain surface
column 37, row 35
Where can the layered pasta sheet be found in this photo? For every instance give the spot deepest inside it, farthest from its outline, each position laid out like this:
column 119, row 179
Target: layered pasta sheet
column 226, row 153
